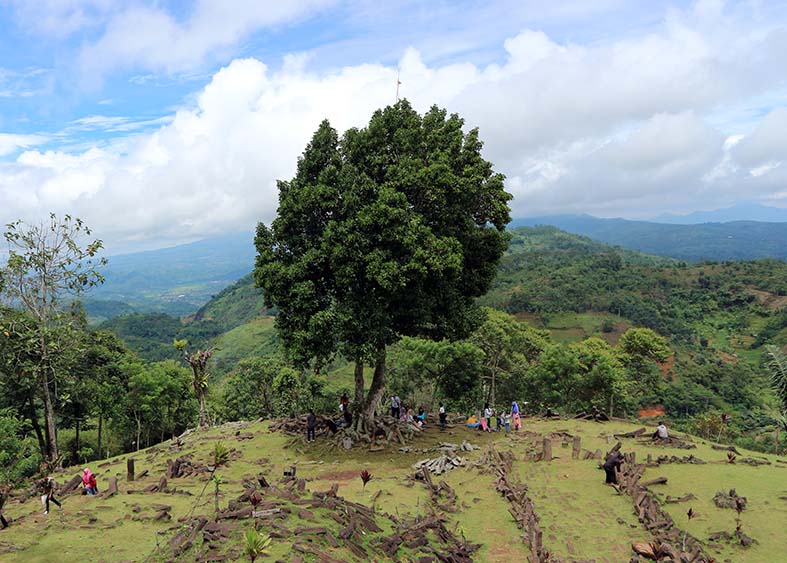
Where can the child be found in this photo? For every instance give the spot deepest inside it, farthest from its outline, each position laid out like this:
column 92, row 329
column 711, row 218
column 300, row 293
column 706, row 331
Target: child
column 443, row 417
column 507, row 421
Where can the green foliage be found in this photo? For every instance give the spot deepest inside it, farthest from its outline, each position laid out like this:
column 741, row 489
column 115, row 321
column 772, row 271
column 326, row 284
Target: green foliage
column 577, row 377
column 159, row 402
column 777, row 364
column 510, row 347
column 293, row 393
column 255, row 544
column 19, row 455
column 450, row 370
column 235, row 305
column 735, row 240
column 642, row 345
column 391, row 232
column 152, row 335
column 247, row 394
column 221, row 454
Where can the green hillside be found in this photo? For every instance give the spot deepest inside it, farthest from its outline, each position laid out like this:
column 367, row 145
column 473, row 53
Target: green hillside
column 235, row 305
column 715, row 318
column 734, row 240
column 579, row 518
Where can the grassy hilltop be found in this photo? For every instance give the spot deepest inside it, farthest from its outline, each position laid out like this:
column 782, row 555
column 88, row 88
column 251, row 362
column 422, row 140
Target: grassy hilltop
column 581, row 519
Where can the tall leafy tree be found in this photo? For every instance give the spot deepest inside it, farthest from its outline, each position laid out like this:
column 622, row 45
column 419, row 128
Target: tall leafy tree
column 509, row 347
column 45, row 263
column 390, row 232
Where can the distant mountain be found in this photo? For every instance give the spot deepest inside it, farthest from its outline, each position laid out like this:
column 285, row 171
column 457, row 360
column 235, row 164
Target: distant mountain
column 737, row 240
column 176, row 280
column 739, row 212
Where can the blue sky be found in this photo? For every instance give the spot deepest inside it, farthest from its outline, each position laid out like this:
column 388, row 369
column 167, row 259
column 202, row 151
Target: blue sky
column 164, row 121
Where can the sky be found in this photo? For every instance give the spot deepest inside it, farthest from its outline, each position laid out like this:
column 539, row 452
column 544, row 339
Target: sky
column 161, row 122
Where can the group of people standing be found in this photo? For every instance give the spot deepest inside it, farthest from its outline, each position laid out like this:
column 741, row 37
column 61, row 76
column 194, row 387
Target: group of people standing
column 505, row 419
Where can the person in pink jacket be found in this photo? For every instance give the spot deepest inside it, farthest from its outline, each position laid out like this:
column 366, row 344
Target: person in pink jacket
column 89, row 482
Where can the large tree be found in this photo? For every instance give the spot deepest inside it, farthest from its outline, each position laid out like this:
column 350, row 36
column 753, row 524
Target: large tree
column 46, row 262
column 391, row 231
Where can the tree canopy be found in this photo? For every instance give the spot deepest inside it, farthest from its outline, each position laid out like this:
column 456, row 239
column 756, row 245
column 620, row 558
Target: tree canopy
column 391, row 231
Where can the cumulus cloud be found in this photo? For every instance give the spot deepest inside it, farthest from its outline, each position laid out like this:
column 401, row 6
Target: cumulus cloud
column 623, row 127
column 174, row 46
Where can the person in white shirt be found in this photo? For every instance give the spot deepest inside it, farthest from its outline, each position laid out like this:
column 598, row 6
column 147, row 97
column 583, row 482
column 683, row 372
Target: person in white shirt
column 661, row 432
column 441, row 412
column 488, row 417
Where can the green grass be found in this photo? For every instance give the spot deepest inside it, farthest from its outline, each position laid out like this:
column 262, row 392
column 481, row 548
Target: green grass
column 580, row 518
column 255, row 338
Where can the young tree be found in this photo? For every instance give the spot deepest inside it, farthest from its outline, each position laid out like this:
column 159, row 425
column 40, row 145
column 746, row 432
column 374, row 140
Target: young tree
column 391, row 232
column 198, row 362
column 777, row 365
column 509, row 347
column 46, row 262
column 453, row 369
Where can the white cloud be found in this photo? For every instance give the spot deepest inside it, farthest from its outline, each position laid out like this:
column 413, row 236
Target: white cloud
column 175, row 46
column 620, row 127
column 10, row 143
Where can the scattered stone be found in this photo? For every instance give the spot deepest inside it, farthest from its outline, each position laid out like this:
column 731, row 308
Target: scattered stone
column 729, row 500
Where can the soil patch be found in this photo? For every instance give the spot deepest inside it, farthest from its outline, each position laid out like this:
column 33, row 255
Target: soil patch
column 348, row 475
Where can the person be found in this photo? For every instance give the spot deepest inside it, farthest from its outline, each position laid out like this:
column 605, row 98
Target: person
column 4, row 492
column 89, row 482
column 498, row 420
column 488, row 417
column 515, row 415
column 506, row 421
column 661, row 432
column 443, row 416
column 331, row 426
column 421, row 416
column 614, row 461
column 49, row 487
column 311, row 424
column 348, row 416
column 396, row 406
column 344, row 402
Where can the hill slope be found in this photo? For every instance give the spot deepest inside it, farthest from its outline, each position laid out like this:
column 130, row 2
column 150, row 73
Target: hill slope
column 580, row 519
column 176, row 280
column 738, row 240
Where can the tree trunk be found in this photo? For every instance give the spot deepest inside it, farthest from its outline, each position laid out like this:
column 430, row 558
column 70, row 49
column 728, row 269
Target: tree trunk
column 100, row 427
column 377, row 387
column 76, row 442
column 492, row 402
column 49, row 417
column 33, row 416
column 359, row 382
column 203, row 417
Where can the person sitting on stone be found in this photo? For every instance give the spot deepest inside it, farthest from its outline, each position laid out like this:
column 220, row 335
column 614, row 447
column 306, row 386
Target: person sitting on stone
column 661, row 432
